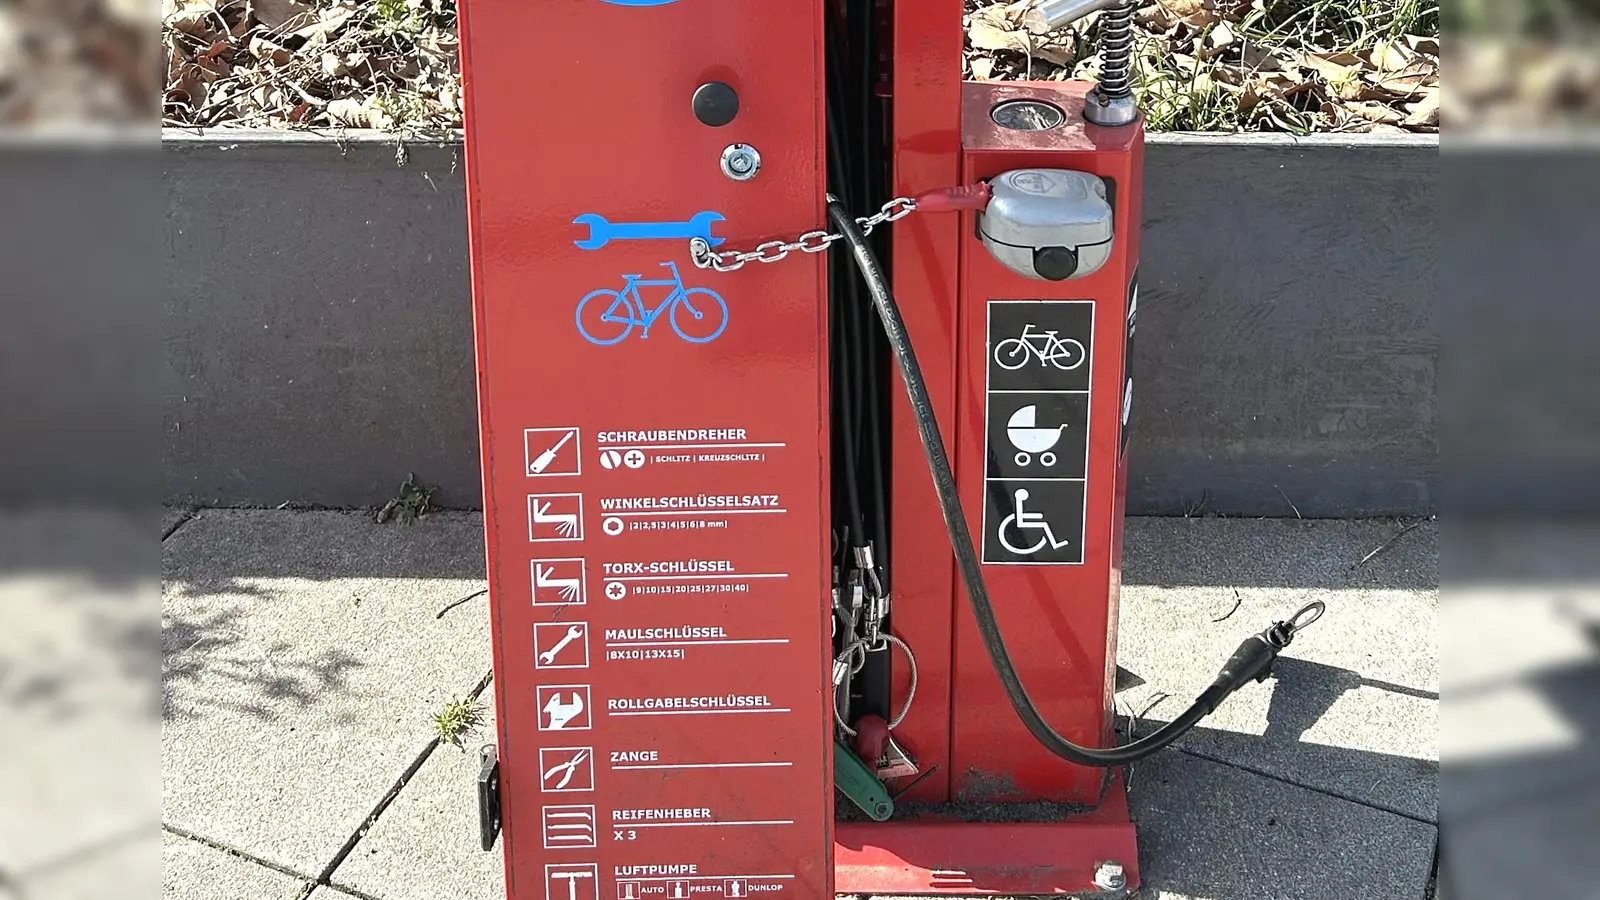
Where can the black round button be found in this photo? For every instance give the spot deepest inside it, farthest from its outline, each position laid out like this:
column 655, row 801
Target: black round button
column 715, row 104
column 1055, row 263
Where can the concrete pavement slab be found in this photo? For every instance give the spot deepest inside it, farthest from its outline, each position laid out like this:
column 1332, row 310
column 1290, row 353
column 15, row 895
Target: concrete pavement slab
column 1213, row 832
column 78, row 602
column 425, row 846
column 303, row 659
column 1547, row 840
column 128, row 869
column 172, row 515
column 1522, row 724
column 191, row 870
column 1353, row 710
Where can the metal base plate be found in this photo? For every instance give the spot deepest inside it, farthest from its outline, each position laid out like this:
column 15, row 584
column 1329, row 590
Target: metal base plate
column 948, row 857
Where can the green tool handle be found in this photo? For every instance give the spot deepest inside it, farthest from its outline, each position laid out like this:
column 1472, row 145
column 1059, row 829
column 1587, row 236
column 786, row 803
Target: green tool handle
column 860, row 784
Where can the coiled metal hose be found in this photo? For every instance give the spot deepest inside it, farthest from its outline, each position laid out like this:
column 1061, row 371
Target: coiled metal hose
column 1116, row 51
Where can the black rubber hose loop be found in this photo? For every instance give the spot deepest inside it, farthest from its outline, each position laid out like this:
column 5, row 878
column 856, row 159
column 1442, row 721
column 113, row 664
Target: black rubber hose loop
column 955, row 520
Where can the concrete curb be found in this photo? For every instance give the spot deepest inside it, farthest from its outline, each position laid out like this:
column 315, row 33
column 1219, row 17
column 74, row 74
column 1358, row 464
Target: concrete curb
column 319, row 341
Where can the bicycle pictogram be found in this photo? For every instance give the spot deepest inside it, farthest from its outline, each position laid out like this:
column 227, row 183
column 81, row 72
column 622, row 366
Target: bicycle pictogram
column 606, row 317
column 1065, row 354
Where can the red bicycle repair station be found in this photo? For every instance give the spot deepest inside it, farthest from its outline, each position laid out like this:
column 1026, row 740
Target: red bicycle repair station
column 660, row 450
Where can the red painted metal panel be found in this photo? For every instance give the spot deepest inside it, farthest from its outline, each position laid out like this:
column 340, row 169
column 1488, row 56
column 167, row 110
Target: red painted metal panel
column 1059, row 620
column 654, row 462
column 1008, row 858
column 927, row 154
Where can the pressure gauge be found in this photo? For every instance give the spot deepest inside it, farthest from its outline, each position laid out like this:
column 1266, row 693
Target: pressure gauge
column 1027, row 115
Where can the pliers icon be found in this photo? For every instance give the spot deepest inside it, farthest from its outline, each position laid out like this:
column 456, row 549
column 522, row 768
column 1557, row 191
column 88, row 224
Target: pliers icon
column 570, row 767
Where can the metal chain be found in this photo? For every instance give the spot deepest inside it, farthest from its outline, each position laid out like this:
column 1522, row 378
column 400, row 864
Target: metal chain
column 810, row 242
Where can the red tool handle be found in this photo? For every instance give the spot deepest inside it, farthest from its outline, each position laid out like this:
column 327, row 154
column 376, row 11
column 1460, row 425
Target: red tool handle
column 954, row 199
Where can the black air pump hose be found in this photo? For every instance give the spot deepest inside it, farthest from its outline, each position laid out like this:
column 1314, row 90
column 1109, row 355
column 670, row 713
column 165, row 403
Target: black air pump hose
column 1252, row 661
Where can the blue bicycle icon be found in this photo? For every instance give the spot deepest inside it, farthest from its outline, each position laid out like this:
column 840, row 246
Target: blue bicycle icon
column 698, row 321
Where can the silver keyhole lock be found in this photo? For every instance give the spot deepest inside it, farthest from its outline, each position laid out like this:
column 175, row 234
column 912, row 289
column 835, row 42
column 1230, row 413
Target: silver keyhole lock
column 741, row 162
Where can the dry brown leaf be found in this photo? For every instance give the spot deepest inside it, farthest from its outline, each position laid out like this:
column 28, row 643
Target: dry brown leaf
column 330, row 21
column 1425, row 45
column 982, row 68
column 266, row 50
column 1385, row 128
column 1261, row 59
column 1387, row 57
column 348, row 111
column 1197, row 13
column 1155, row 17
column 988, row 36
column 1413, row 78
column 1332, row 66
column 1376, row 112
column 283, row 15
column 1227, row 75
column 201, row 25
column 1424, row 112
column 1221, row 36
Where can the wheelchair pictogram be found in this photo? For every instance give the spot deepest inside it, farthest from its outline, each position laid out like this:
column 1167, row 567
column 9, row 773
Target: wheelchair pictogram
column 1021, row 521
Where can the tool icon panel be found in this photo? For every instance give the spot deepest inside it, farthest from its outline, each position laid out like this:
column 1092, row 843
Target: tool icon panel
column 564, row 707
column 561, row 645
column 566, row 769
column 569, row 827
column 572, row 881
column 555, row 517
column 552, row 451
column 558, row 582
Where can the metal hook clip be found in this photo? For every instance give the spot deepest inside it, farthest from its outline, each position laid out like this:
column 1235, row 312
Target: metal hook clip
column 1281, row 633
column 1309, row 613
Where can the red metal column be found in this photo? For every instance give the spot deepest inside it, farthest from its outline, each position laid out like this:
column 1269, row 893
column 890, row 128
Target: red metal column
column 927, row 154
column 1055, row 605
column 654, row 447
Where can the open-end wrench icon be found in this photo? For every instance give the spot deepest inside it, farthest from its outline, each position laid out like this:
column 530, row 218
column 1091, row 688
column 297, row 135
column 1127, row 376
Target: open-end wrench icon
column 602, row 231
column 573, row 633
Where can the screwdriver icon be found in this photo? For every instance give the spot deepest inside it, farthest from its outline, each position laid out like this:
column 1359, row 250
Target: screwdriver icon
column 538, row 466
column 566, row 770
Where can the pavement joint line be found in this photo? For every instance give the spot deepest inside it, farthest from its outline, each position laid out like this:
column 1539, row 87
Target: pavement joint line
column 341, row 890
column 388, row 798
column 1313, row 788
column 231, row 850
column 1432, row 892
column 187, row 517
